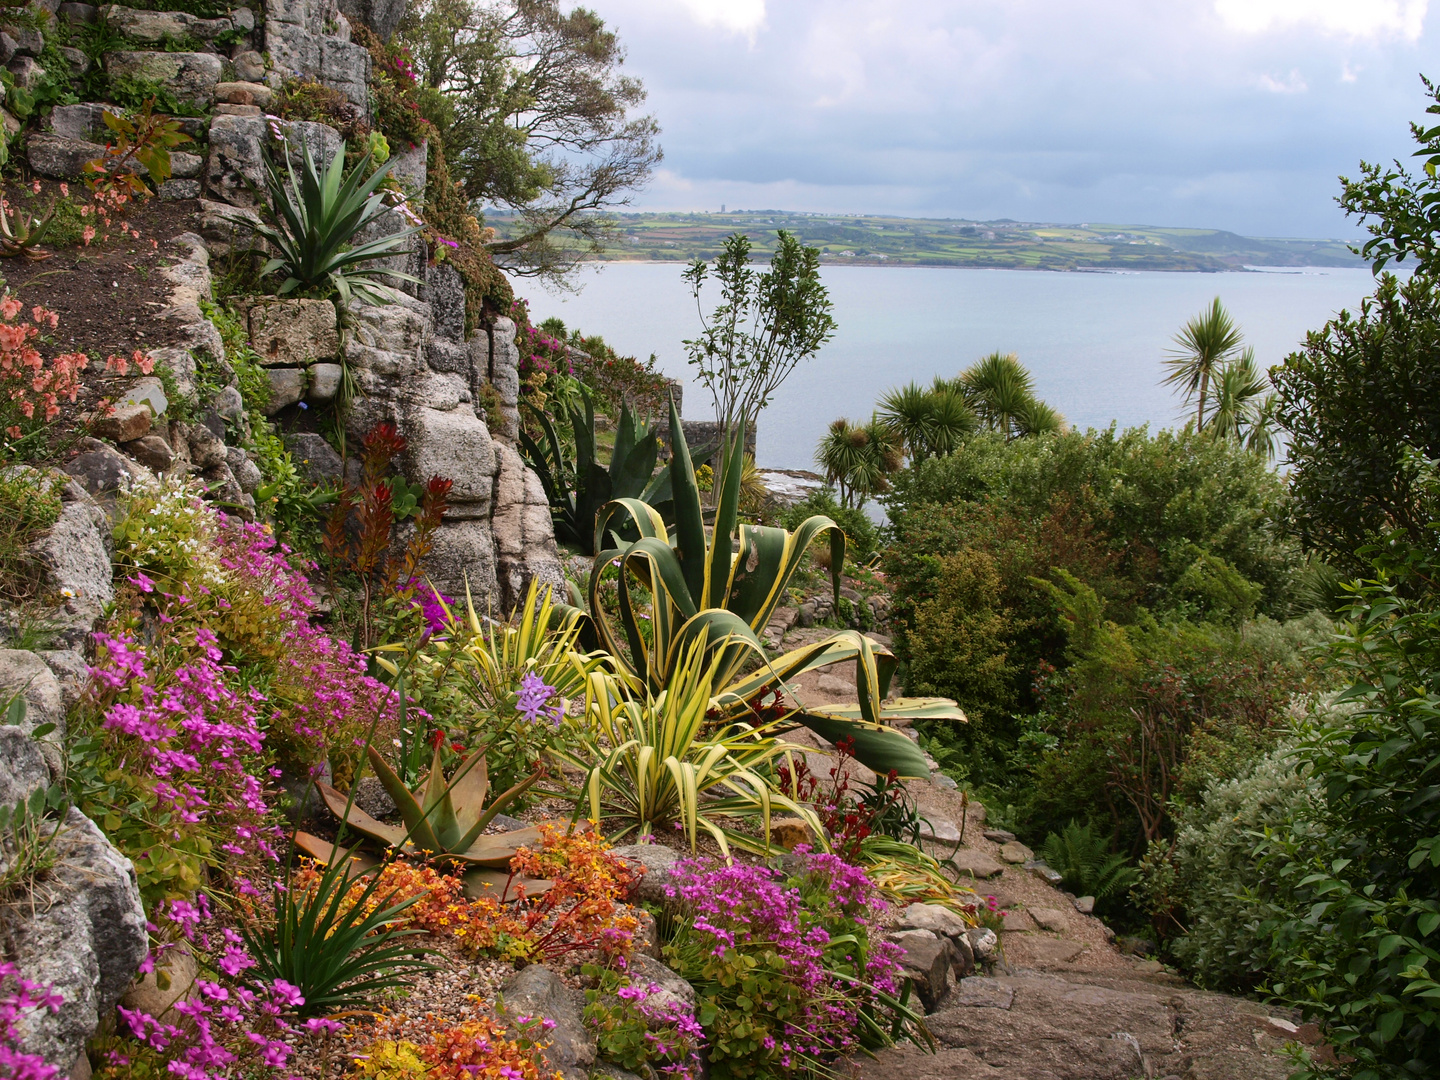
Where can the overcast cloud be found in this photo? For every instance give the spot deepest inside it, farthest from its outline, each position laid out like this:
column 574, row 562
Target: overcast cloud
column 1235, row 114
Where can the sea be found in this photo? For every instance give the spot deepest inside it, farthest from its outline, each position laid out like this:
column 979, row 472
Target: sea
column 1095, row 342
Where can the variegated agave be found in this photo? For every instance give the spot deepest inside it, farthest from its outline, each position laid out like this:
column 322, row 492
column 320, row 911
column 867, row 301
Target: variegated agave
column 696, row 586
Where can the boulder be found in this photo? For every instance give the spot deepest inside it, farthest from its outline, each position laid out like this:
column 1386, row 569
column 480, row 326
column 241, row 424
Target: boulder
column 345, row 66
column 190, row 76
column 984, row 944
column 315, row 459
column 382, row 16
column 525, row 547
column 234, row 164
column 58, row 157
column 228, row 404
column 789, row 831
column 463, row 553
column 939, row 920
column 538, row 991
column 976, row 863
column 1048, row 918
column 657, row 861
column 454, row 444
column 1052, row 950
column 1015, row 852
column 670, row 989
column 145, row 995
column 999, row 836
column 22, row 766
column 86, row 941
column 245, row 471
column 371, row 796
column 445, row 293
column 291, row 333
column 1085, row 905
column 149, row 392
column 207, row 450
column 75, row 60
column 185, row 166
column 28, row 40
column 324, row 383
column 833, row 684
column 287, row 386
column 78, row 14
column 76, row 561
column 503, row 364
column 125, row 423
column 936, row 827
column 103, row 470
column 27, row 71
column 1016, row 921
column 322, row 140
column 927, row 963
column 249, row 66
column 70, row 670
column 153, row 27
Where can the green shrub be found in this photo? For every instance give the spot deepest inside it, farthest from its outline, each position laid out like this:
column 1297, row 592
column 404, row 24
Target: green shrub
column 861, row 535
column 29, row 504
column 1225, row 895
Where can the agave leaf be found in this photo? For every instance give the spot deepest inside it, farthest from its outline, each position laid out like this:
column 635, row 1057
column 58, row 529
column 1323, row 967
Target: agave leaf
column 359, row 820
column 877, row 747
column 502, row 886
column 689, row 519
column 416, row 823
column 498, row 849
column 468, row 791
column 324, row 852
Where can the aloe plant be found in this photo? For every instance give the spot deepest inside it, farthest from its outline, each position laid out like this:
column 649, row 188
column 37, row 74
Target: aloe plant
column 447, row 819
column 698, row 586
column 313, row 221
column 577, row 490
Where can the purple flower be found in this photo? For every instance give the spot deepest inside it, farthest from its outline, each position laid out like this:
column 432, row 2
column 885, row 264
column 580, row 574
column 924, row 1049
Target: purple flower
column 533, row 700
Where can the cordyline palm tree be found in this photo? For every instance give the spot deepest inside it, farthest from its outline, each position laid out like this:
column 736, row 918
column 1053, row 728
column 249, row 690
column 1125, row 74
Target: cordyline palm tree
column 1204, row 343
column 1244, row 405
column 859, row 459
column 1000, row 391
column 928, row 422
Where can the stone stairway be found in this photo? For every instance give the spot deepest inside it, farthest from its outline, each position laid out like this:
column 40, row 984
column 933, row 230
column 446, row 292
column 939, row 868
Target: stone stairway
column 1059, row 1000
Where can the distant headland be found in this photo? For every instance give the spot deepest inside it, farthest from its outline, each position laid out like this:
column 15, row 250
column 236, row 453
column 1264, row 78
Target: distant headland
column 876, row 240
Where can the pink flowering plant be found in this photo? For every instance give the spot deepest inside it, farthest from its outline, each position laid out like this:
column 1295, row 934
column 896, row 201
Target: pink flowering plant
column 229, row 1023
column 20, row 997
column 637, row 1025
column 788, row 970
column 32, row 389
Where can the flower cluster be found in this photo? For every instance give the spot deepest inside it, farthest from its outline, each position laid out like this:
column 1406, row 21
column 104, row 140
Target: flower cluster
column 227, row 1026
column 17, row 995
column 31, row 388
column 477, row 1049
column 640, row 1025
column 120, row 365
column 540, row 354
column 784, row 967
column 535, row 700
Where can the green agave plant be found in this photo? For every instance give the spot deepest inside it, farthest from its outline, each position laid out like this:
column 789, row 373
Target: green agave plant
column 629, row 475
column 661, row 769
column 447, row 819
column 313, row 221
column 698, row 587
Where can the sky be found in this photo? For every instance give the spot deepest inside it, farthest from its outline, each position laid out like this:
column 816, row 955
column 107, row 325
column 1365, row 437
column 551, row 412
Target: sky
column 1230, row 114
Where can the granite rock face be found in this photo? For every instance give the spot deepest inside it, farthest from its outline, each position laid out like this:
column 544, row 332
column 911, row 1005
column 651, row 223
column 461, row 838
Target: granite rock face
column 191, row 77
column 538, row 991
column 86, row 941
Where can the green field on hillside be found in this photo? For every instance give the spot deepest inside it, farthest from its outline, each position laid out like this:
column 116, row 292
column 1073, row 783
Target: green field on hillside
column 877, row 241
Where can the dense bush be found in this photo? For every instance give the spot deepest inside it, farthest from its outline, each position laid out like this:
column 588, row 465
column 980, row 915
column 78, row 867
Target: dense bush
column 862, row 538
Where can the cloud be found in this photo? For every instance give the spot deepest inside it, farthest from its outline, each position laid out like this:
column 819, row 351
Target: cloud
column 1294, row 83
column 1350, row 18
column 737, row 16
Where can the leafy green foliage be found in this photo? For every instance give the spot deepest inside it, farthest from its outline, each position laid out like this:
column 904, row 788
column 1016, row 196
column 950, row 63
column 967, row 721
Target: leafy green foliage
column 1083, row 857
column 313, row 221
column 929, row 423
column 1357, row 404
column 338, row 951
column 1002, row 394
column 862, row 538
column 29, row 504
column 145, row 139
column 859, row 459
column 763, row 326
column 578, row 488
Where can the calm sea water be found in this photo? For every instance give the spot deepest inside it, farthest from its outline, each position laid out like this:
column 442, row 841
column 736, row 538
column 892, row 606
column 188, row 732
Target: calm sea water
column 1095, row 343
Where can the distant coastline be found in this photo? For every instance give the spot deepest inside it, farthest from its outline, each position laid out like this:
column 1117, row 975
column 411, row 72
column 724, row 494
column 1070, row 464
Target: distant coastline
column 847, row 240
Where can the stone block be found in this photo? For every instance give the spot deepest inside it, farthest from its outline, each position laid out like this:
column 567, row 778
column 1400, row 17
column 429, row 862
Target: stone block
column 985, row 944
column 153, row 452
column 153, row 27
column 324, row 383
column 1048, row 918
column 125, row 423
column 244, row 93
column 345, row 67
column 103, row 470
column 789, row 832
column 926, row 962
column 287, row 386
column 1085, row 905
column 976, row 863
column 25, row 674
column 294, row 51
column 935, row 918
column 226, row 109
column 178, row 190
column 445, row 293
column 185, row 166
column 82, row 122
column 207, row 449
column 455, row 445
column 79, row 14
column 538, row 991
column 1016, row 921
column 288, row 333
column 382, row 16
column 316, row 460
column 22, row 766
column 249, row 66
column 244, row 19
column 189, row 76
column 60, row 158
column 464, row 551
column 656, row 860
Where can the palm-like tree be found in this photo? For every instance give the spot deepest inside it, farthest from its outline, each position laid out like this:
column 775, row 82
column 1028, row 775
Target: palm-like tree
column 1244, row 405
column 858, row 459
column 1039, row 418
column 927, row 422
column 1002, row 392
column 1204, row 343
